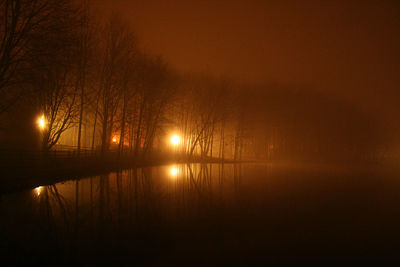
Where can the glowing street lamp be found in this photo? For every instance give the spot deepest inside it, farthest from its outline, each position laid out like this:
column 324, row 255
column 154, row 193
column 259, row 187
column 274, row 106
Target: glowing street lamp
column 175, row 140
column 41, row 122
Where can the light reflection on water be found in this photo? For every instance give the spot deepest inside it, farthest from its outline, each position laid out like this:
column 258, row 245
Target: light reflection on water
column 160, row 184
column 248, row 210
column 37, row 190
column 145, row 205
column 174, row 171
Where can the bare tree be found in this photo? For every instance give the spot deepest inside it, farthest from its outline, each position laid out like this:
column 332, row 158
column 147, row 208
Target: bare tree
column 52, row 73
column 115, row 48
column 129, row 84
column 58, row 103
column 85, row 46
column 22, row 22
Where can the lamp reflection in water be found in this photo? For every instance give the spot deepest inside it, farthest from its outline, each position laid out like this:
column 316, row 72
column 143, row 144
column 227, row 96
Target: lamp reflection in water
column 173, row 171
column 38, row 190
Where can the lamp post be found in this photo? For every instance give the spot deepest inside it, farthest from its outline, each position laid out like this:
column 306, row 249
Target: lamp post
column 175, row 141
column 42, row 124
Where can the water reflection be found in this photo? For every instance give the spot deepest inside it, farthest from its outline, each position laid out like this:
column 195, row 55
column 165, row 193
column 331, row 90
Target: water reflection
column 177, row 211
column 174, row 171
column 38, row 190
column 143, row 206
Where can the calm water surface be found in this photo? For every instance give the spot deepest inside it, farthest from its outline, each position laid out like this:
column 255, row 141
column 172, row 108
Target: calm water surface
column 207, row 214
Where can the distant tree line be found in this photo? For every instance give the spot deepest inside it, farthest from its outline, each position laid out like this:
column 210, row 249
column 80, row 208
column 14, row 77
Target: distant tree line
column 87, row 83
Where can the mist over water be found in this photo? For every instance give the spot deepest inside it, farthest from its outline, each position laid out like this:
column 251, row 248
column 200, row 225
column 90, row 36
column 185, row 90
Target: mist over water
column 227, row 213
column 199, row 132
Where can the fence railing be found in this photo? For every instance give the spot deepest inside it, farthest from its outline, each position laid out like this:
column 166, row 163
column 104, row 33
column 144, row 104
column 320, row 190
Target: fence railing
column 7, row 156
column 32, row 156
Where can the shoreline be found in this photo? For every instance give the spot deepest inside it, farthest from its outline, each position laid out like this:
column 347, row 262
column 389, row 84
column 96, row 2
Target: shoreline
column 50, row 171
column 19, row 176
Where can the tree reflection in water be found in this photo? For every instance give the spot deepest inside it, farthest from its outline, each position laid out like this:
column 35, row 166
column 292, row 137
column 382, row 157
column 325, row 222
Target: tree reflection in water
column 139, row 211
column 201, row 213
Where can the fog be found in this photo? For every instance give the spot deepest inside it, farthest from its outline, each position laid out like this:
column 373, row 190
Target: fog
column 221, row 119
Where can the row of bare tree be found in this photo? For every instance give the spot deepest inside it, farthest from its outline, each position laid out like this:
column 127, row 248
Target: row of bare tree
column 207, row 117
column 93, row 88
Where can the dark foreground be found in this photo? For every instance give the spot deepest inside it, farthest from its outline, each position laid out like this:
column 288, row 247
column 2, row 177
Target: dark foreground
column 208, row 214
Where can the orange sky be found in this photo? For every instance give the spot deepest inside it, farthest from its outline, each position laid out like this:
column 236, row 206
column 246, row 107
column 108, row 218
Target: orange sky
column 346, row 48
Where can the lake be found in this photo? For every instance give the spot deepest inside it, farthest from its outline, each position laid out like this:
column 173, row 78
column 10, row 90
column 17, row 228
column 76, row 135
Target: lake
column 208, row 214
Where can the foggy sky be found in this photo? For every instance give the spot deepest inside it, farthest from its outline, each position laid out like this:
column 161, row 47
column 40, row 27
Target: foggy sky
column 342, row 48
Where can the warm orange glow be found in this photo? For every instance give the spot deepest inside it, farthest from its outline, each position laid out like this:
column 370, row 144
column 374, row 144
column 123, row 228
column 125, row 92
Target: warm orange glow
column 41, row 122
column 38, row 190
column 173, row 171
column 114, row 139
column 175, row 140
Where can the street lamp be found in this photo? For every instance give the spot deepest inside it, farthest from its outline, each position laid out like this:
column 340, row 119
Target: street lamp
column 175, row 140
column 41, row 122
